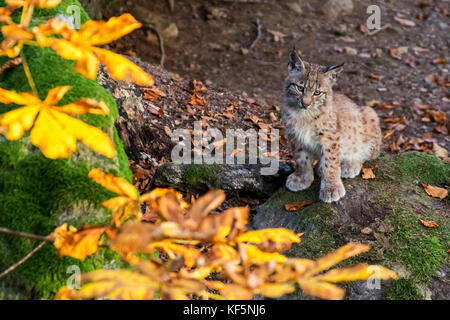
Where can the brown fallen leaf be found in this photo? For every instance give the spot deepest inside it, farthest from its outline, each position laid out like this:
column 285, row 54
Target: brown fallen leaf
column 439, row 116
column 10, row 64
column 429, row 224
column 367, row 173
column 439, row 151
column 435, row 192
column 374, row 77
column 152, row 94
column 366, row 230
column 439, row 61
column 388, row 133
column 297, row 205
column 168, row 131
column 197, row 101
column 441, row 129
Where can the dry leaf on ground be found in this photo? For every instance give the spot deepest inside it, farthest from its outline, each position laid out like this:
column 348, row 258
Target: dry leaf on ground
column 297, row 205
column 435, row 192
column 367, row 173
column 429, row 224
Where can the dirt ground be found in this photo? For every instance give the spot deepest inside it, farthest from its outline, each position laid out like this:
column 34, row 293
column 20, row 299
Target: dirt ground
column 214, row 42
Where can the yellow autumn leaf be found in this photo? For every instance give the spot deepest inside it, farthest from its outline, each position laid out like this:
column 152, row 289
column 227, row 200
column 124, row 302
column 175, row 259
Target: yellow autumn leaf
column 45, row 4
column 81, row 46
column 275, row 234
column 116, row 284
column 115, row 184
column 255, row 255
column 359, row 272
column 66, row 293
column 5, row 15
column 225, row 251
column 14, row 35
column 77, row 243
column 172, row 249
column 236, row 292
column 54, row 132
column 122, row 208
column 321, row 289
column 274, row 290
column 333, row 258
column 197, row 273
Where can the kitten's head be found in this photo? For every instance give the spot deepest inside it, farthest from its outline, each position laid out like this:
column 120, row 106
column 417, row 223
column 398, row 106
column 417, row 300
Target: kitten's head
column 309, row 85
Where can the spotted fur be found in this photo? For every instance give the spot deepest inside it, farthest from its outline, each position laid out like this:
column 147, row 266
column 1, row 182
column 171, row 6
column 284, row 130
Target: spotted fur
column 325, row 126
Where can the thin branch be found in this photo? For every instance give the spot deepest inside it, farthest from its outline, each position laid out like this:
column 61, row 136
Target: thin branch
column 18, row 263
column 161, row 44
column 29, row 14
column 258, row 34
column 378, row 30
column 171, row 4
column 28, row 74
column 25, row 235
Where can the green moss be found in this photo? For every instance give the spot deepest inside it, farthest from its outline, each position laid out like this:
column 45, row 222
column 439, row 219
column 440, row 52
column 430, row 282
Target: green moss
column 202, row 173
column 404, row 289
column 42, row 15
column 422, row 167
column 419, row 249
column 399, row 199
column 38, row 194
column 318, row 239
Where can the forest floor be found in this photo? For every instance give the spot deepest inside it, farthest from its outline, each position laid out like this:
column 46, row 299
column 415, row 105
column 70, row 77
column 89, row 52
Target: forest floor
column 402, row 70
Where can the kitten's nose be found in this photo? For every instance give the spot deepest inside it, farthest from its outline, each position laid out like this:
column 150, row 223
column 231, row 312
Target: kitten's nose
column 306, row 102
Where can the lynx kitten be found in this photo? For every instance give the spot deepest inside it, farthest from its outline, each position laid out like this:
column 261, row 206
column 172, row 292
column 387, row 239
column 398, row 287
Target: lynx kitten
column 325, row 126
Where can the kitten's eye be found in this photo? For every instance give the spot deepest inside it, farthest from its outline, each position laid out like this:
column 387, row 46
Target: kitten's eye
column 317, row 93
column 297, row 87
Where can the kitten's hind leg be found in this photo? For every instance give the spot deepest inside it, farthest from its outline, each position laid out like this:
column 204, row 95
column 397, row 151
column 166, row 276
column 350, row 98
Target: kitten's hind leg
column 303, row 176
column 350, row 169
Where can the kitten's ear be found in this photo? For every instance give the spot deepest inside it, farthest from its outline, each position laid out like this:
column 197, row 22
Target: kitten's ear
column 295, row 63
column 333, row 71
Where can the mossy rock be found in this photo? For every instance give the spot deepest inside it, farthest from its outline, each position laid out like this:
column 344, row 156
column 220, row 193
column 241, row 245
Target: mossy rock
column 38, row 194
column 389, row 207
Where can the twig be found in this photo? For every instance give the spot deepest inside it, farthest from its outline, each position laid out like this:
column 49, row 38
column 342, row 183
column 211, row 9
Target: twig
column 18, row 263
column 371, row 33
column 161, row 44
column 171, row 4
column 28, row 74
column 25, row 235
column 258, row 35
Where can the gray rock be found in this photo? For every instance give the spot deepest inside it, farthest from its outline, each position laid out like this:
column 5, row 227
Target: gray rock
column 295, row 6
column 242, row 179
column 335, row 8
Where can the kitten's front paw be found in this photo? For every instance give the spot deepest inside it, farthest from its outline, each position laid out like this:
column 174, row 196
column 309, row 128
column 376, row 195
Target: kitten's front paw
column 330, row 192
column 350, row 170
column 297, row 183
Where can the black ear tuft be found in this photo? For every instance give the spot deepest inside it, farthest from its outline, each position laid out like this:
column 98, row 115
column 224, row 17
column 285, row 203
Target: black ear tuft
column 337, row 67
column 295, row 62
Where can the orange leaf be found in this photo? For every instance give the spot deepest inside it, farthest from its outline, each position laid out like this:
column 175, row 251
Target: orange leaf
column 435, row 192
column 197, row 101
column 429, row 224
column 297, row 205
column 367, row 173
column 152, row 94
column 80, row 46
column 52, row 130
column 115, row 184
column 77, row 243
